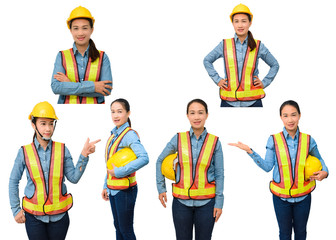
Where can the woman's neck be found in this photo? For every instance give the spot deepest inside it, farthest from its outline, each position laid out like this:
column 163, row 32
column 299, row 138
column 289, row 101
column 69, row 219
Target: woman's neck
column 292, row 132
column 198, row 132
column 242, row 38
column 82, row 49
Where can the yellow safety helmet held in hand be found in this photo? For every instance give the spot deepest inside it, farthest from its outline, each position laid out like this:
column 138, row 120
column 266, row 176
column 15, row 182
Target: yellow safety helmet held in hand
column 121, row 158
column 43, row 110
column 168, row 166
column 80, row 12
column 312, row 165
column 241, row 8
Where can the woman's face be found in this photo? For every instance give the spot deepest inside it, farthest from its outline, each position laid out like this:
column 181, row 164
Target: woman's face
column 197, row 116
column 241, row 24
column 119, row 114
column 290, row 118
column 81, row 31
column 45, row 126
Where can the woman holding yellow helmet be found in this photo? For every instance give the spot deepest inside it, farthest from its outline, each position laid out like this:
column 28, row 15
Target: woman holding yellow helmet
column 46, row 163
column 120, row 186
column 288, row 153
column 199, row 179
column 82, row 74
column 241, row 86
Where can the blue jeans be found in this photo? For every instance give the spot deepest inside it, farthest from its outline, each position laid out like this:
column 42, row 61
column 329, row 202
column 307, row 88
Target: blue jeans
column 186, row 217
column 37, row 230
column 258, row 103
column 292, row 216
column 122, row 205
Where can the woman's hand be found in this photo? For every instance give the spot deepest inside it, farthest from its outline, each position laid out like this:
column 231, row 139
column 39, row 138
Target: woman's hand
column 61, row 77
column 111, row 171
column 89, row 147
column 163, row 199
column 242, row 146
column 223, row 84
column 319, row 175
column 103, row 88
column 257, row 82
column 105, row 195
column 217, row 213
column 20, row 217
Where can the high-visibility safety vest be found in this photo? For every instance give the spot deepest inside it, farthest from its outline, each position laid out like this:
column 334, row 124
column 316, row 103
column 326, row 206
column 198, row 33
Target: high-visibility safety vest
column 113, row 182
column 240, row 89
column 45, row 201
column 194, row 185
column 291, row 185
column 92, row 74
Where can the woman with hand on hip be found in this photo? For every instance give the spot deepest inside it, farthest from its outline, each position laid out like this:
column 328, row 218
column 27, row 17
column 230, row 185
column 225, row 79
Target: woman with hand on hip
column 82, row 74
column 46, row 163
column 120, row 185
column 241, row 86
column 198, row 199
column 287, row 153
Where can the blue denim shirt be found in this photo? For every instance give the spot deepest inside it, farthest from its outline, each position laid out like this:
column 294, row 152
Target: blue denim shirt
column 215, row 173
column 82, row 88
column 131, row 140
column 72, row 173
column 241, row 48
column 271, row 159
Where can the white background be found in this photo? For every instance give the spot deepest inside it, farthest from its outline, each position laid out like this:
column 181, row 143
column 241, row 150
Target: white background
column 156, row 49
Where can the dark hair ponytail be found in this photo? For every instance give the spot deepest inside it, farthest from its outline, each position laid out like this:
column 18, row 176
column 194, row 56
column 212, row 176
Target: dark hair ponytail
column 125, row 105
column 93, row 51
column 250, row 41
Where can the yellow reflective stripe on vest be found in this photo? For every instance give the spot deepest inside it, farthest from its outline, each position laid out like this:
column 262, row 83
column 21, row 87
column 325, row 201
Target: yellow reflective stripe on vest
column 92, row 74
column 186, row 156
column 70, row 66
column 57, row 202
column 34, row 204
column 196, row 187
column 289, row 187
column 244, row 89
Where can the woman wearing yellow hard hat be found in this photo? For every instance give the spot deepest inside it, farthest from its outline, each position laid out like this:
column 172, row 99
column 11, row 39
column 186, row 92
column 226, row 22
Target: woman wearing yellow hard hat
column 46, row 202
column 287, row 153
column 241, row 86
column 198, row 187
column 82, row 74
column 120, row 187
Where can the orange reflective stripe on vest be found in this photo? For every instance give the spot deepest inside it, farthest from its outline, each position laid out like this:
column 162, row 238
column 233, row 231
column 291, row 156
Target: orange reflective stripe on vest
column 113, row 182
column 45, row 202
column 92, row 74
column 243, row 90
column 194, row 186
column 290, row 186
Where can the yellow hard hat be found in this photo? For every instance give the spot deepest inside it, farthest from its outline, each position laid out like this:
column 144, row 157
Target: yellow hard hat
column 80, row 12
column 43, row 110
column 167, row 167
column 241, row 8
column 121, row 158
column 312, row 165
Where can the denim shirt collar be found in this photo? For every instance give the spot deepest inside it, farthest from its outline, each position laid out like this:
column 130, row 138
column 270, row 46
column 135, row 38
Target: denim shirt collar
column 286, row 134
column 202, row 136
column 237, row 39
column 75, row 50
column 38, row 145
column 116, row 131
